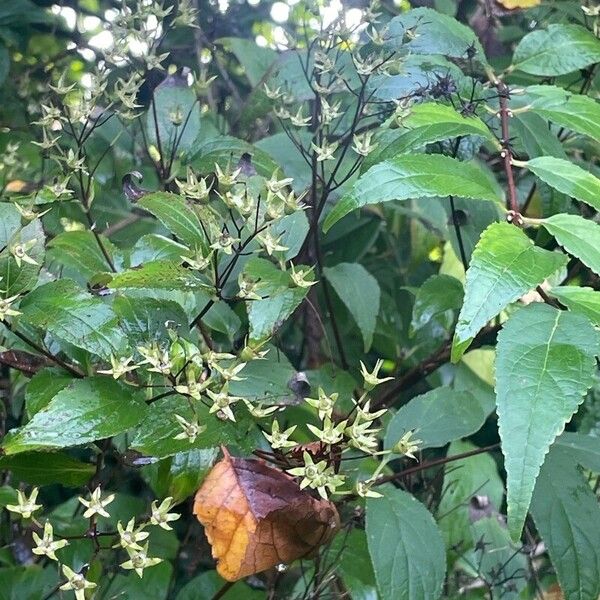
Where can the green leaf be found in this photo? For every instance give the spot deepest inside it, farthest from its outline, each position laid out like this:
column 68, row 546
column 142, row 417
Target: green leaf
column 256, row 60
column 155, row 433
column 18, row 279
column 583, row 300
column 538, row 139
column 406, row 547
column 31, row 582
column 567, row 516
column 187, row 471
column 70, row 314
column 147, row 319
column 209, row 584
column 505, row 265
column 173, row 95
column 158, row 274
column 267, row 315
column 437, row 417
column 434, row 33
column 583, row 449
column 544, row 365
column 415, row 176
column 427, row 123
column 439, row 294
column 39, row 468
column 463, row 479
column 558, row 50
column 578, row 236
column 42, row 387
column 567, row 178
column 89, row 409
column 178, row 217
column 154, row 586
column 79, row 251
column 574, row 111
column 227, row 151
column 360, row 293
column 266, row 380
column 354, row 564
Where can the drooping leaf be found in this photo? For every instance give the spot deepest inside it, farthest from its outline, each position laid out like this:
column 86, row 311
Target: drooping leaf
column 42, row 468
column 567, row 178
column 573, row 111
column 70, row 314
column 437, row 417
column 256, row 517
column 414, row 176
column 504, row 266
column 406, row 547
column 89, row 409
column 545, row 363
column 360, row 293
column 437, row 295
column 582, row 300
column 566, row 514
column 280, row 298
column 537, row 138
column 175, row 214
column 578, row 236
column 463, row 479
column 557, row 50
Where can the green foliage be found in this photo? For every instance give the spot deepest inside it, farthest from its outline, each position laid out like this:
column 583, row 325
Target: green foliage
column 363, row 250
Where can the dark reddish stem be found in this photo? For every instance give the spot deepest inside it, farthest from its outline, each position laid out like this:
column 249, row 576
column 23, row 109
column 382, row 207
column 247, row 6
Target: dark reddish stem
column 506, row 153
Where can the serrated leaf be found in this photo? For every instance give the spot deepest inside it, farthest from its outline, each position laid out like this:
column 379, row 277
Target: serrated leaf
column 544, row 365
column 360, row 293
column 354, row 564
column 79, row 251
column 406, row 547
column 70, row 314
column 574, row 111
column 437, row 295
column 505, row 265
column 41, row 468
column 558, row 50
column 434, row 33
column 463, row 479
column 583, row 300
column 567, row 516
column 158, row 274
column 415, row 176
column 155, row 433
column 567, row 178
column 427, row 123
column 89, row 409
column 179, row 218
column 437, row 417
column 537, row 138
column 578, row 236
column 280, row 298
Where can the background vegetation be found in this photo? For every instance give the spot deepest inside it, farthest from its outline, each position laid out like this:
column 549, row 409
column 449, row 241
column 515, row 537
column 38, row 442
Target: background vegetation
column 358, row 242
